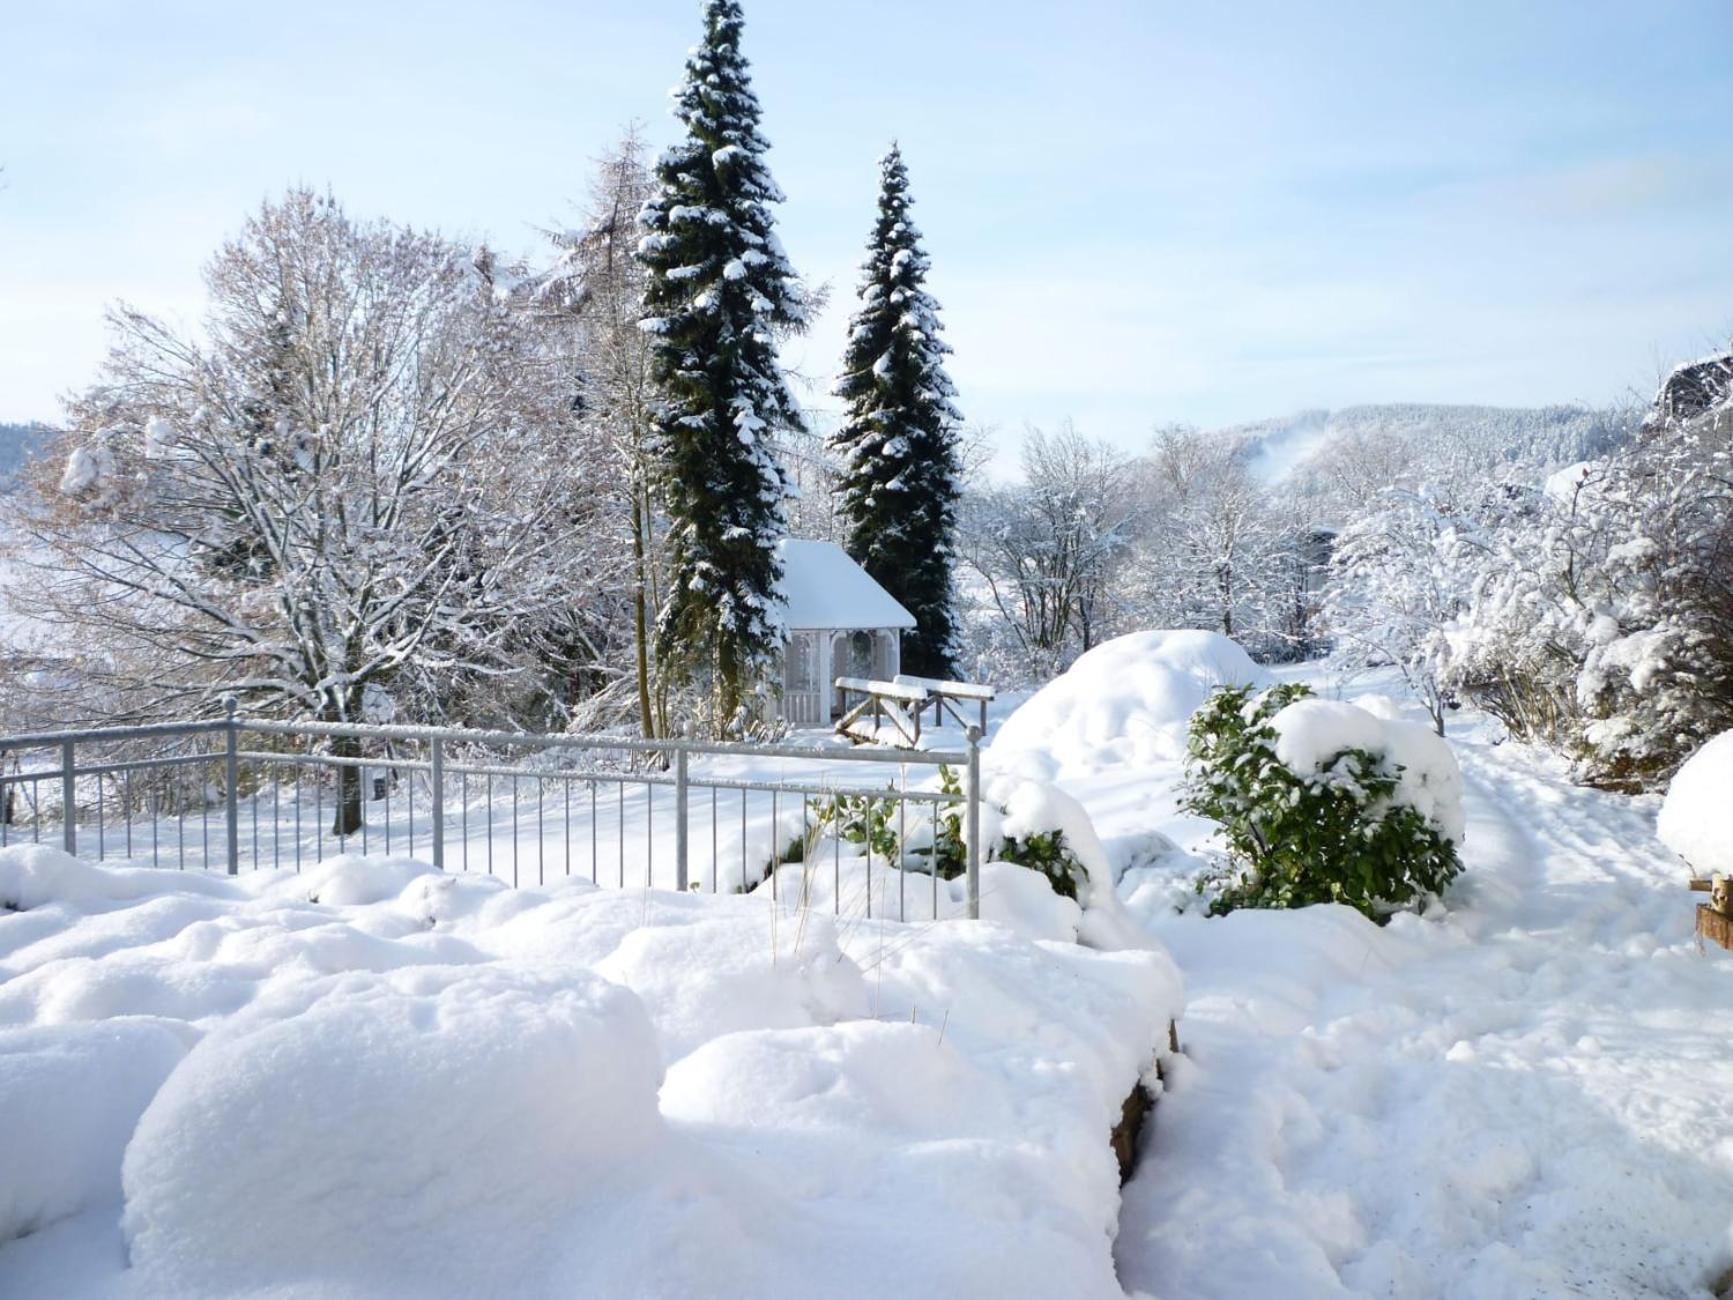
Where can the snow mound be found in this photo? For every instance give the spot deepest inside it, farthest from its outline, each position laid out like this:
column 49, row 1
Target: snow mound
column 69, row 1097
column 1126, row 702
column 350, row 878
column 1695, row 821
column 35, row 875
column 721, row 975
column 1311, row 733
column 408, row 1127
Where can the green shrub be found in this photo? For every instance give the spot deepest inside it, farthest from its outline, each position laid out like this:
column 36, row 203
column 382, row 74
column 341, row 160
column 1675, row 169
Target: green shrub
column 860, row 818
column 1046, row 852
column 1335, row 837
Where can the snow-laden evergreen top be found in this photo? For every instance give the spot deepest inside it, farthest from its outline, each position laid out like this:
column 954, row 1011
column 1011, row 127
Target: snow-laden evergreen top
column 719, row 292
column 898, row 444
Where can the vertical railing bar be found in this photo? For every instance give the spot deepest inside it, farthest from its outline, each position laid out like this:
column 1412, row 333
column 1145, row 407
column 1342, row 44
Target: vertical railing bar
column 463, row 813
column 487, row 798
column 126, row 800
column 973, row 824
column 386, row 769
column 903, row 843
column 869, row 855
column 541, row 835
column 620, row 829
column 68, row 797
column 318, row 816
column 101, row 829
column 715, row 851
column 595, row 839
column 298, row 819
column 436, row 793
column 649, row 835
column 232, row 795
column 277, row 822
column 410, row 812
column 682, row 844
column 745, row 885
column 566, row 787
column 514, row 830
column 205, row 818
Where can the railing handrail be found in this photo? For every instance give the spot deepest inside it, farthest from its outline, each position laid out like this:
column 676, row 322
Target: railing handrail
column 472, row 735
column 230, row 754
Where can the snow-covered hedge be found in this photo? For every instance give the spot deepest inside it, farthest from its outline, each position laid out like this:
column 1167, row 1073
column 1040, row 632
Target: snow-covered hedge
column 1696, row 821
column 1324, row 802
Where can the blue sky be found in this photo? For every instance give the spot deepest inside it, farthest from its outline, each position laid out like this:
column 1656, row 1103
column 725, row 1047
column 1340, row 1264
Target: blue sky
column 1138, row 213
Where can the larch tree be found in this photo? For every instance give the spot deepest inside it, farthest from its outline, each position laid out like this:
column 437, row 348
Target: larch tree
column 901, row 477
column 719, row 292
column 596, row 288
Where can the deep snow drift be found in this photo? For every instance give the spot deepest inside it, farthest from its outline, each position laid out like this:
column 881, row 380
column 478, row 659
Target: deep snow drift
column 433, row 1084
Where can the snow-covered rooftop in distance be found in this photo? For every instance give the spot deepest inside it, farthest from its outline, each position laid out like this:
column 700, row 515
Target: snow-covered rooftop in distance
column 824, row 590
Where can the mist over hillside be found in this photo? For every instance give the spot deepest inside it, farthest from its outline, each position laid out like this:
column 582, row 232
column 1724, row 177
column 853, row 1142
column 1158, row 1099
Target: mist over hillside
column 1434, row 436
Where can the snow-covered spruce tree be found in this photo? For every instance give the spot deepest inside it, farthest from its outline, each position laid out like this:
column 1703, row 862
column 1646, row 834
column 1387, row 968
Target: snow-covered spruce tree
column 718, row 292
column 902, row 471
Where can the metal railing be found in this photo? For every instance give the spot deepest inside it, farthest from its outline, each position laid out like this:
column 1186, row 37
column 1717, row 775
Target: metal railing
column 283, row 794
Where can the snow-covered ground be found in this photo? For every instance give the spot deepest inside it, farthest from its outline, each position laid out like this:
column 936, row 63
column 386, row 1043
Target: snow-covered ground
column 370, row 1079
column 366, row 1079
column 1526, row 1094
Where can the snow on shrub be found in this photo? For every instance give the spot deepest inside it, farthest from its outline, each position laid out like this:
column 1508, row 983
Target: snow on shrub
column 1695, row 821
column 1025, row 823
column 1125, row 702
column 1323, row 802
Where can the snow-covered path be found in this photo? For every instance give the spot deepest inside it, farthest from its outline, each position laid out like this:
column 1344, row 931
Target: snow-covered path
column 1528, row 1096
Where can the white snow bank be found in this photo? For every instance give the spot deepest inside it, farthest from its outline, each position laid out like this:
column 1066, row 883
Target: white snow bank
column 417, row 1133
column 453, row 1089
column 1312, row 733
column 1125, row 702
column 1696, row 819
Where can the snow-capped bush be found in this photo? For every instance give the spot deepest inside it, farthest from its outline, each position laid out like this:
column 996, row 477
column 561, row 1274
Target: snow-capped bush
column 1695, row 821
column 1323, row 802
column 1601, row 616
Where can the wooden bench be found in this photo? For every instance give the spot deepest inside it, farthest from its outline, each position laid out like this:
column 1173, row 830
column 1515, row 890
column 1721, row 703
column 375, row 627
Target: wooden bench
column 896, row 703
column 948, row 697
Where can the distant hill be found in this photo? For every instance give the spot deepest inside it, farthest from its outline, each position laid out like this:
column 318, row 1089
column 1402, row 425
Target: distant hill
column 18, row 443
column 1481, row 437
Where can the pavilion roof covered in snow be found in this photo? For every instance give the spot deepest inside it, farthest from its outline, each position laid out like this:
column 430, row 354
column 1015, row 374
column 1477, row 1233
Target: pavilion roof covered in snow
column 824, row 590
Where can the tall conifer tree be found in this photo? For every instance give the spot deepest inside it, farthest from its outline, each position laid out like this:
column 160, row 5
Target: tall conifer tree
column 901, row 466
column 719, row 292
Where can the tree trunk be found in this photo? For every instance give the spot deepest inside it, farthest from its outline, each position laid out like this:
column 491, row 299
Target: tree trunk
column 346, row 818
column 640, row 616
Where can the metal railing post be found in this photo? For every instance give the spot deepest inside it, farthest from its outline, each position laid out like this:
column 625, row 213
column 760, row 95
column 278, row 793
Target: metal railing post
column 232, row 779
column 973, row 817
column 436, row 754
column 68, row 797
column 681, row 793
